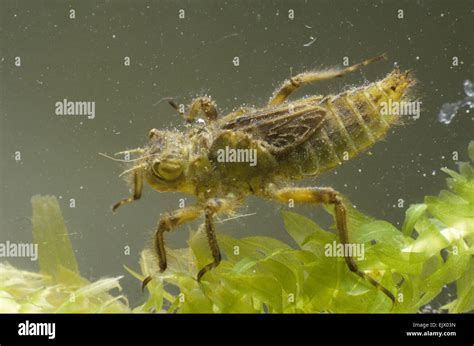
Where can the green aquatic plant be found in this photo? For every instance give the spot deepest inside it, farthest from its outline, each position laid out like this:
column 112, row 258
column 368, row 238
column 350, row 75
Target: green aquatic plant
column 431, row 252
column 58, row 287
column 260, row 274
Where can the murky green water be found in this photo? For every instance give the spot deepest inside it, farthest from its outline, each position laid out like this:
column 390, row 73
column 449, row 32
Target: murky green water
column 82, row 59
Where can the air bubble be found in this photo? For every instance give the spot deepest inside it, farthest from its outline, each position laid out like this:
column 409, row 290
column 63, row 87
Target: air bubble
column 468, row 89
column 449, row 110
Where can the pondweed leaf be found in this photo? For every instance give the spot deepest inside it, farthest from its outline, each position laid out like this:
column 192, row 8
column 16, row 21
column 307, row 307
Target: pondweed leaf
column 413, row 213
column 301, row 228
column 465, row 292
column 51, row 235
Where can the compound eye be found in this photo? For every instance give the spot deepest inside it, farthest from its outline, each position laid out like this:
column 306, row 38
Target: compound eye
column 167, row 169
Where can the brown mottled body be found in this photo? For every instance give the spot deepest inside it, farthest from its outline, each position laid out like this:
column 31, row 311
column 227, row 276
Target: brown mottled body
column 352, row 122
column 292, row 141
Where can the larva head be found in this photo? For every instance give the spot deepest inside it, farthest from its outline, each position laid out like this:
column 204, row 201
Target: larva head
column 166, row 160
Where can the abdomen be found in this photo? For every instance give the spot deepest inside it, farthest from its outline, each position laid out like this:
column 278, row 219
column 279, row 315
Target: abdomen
column 354, row 122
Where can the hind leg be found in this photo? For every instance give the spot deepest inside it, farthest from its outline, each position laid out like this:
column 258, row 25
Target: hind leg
column 323, row 195
column 295, row 82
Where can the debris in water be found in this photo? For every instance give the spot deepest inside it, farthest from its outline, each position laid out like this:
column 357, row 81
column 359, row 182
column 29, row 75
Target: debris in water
column 449, row 110
column 313, row 39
